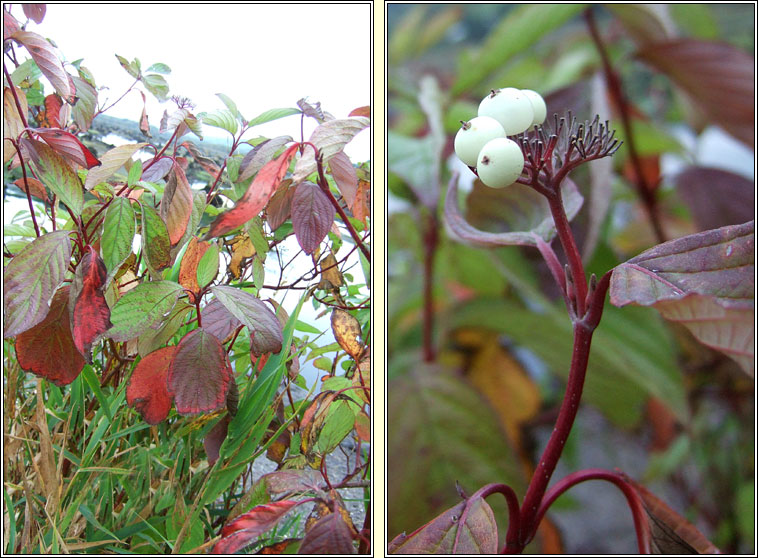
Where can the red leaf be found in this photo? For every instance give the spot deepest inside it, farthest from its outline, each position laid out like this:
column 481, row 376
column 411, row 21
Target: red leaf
column 362, row 206
column 361, row 111
column 69, row 146
column 91, row 316
column 345, row 176
column 35, row 12
column 200, row 373
column 35, row 186
column 716, row 197
column 176, row 205
column 329, row 535
column 280, row 206
column 249, row 526
column 213, row 440
column 50, row 116
column 256, row 197
column 10, row 25
column 188, row 268
column 48, row 349
column 147, row 390
column 312, row 216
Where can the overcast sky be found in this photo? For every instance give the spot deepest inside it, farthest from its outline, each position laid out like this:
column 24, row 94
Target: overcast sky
column 263, row 56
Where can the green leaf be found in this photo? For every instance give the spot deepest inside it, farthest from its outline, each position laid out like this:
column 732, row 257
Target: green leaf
column 55, row 173
column 132, row 68
column 135, row 173
column 160, row 68
column 443, row 427
column 31, row 278
column 118, row 234
column 516, row 33
column 83, row 111
column 142, row 307
column 111, row 161
column 207, row 268
column 156, row 244
column 157, row 85
column 272, row 114
column 338, row 423
column 231, row 105
column 414, row 160
column 223, row 119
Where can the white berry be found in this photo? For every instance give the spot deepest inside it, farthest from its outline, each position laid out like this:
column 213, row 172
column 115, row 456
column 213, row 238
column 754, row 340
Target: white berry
column 473, row 135
column 500, row 163
column 538, row 105
column 510, row 107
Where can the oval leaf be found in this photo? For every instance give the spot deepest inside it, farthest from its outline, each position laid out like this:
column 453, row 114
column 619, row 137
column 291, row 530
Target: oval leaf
column 83, row 112
column 47, row 60
column 176, row 205
column 260, row 155
column 477, row 536
column 329, row 138
column 200, row 374
column 328, row 535
column 48, row 348
column 256, row 197
column 31, row 278
column 147, row 390
column 265, row 329
column 112, row 160
column 144, row 306
column 347, row 332
column 312, row 216
column 156, row 245
column 91, row 315
column 345, row 176
column 69, row 146
column 521, row 210
column 118, row 233
column 716, row 197
column 55, row 173
column 718, row 77
column 218, row 321
column 188, row 270
column 704, row 281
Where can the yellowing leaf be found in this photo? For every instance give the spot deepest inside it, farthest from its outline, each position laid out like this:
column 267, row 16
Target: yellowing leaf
column 242, row 248
column 347, row 332
column 330, row 273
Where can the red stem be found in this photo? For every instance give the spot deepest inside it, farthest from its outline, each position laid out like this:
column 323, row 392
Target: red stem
column 641, row 525
column 572, row 252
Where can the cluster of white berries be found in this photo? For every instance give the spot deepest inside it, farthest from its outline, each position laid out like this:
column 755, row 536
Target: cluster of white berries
column 482, row 143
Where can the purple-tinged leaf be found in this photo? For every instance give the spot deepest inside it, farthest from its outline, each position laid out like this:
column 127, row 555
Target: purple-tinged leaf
column 265, row 330
column 200, row 375
column 176, row 205
column 83, row 111
column 13, row 126
column 48, row 348
column 716, row 197
column 10, row 25
column 329, row 138
column 280, row 206
column 213, row 440
column 143, row 307
column 35, row 12
column 329, row 535
column 118, row 233
column 31, row 278
column 312, row 216
column 477, row 536
column 704, row 281
column 260, row 155
column 55, row 173
column 247, row 527
column 519, row 209
column 719, row 77
column 111, row 161
column 218, row 321
column 156, row 245
column 182, row 119
column 157, row 170
column 345, row 176
column 43, row 53
column 90, row 315
column 147, row 390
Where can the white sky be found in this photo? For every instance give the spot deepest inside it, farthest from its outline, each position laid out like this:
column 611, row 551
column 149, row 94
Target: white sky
column 263, row 56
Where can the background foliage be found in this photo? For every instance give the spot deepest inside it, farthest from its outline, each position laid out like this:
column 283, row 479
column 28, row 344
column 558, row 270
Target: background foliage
column 479, row 342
